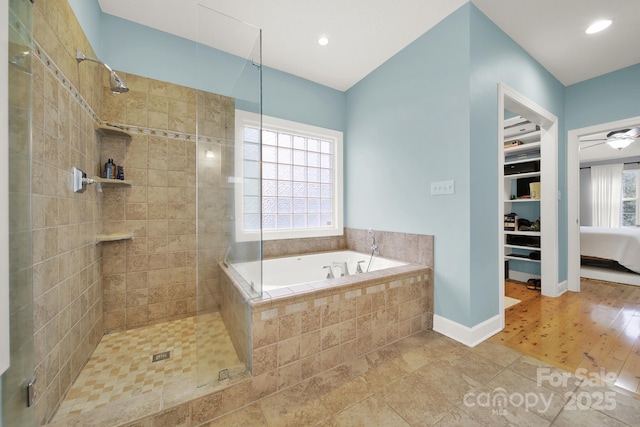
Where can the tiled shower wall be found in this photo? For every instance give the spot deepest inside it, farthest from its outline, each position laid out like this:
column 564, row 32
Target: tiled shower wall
column 152, row 278
column 67, row 287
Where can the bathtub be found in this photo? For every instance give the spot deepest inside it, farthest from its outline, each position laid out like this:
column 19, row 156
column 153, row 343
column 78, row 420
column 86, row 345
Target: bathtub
column 296, row 270
column 391, row 301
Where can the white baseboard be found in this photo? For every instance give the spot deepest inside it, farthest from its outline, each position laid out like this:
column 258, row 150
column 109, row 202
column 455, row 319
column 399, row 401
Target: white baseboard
column 563, row 287
column 522, row 277
column 464, row 334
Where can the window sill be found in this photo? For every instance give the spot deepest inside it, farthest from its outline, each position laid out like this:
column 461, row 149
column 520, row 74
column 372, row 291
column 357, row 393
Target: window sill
column 290, row 234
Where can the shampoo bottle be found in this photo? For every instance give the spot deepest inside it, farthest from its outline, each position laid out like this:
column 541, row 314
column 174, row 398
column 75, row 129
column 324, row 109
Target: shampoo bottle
column 108, row 169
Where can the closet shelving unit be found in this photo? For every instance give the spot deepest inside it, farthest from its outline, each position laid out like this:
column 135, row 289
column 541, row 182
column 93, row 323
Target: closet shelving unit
column 528, row 152
column 537, row 145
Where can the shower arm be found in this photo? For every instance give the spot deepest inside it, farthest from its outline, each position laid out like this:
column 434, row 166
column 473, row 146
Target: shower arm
column 117, row 85
column 81, row 57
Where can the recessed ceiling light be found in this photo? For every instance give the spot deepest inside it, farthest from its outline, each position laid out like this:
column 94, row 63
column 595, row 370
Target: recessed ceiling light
column 323, row 40
column 598, row 26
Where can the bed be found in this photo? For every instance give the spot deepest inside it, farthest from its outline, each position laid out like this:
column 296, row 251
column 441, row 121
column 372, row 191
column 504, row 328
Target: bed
column 617, row 244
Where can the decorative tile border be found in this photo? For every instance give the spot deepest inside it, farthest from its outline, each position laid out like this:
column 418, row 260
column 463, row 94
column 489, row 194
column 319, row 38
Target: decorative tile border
column 55, row 70
column 138, row 130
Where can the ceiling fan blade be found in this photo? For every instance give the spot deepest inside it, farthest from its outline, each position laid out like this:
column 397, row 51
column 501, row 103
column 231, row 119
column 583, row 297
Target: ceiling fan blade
column 632, row 133
column 593, row 145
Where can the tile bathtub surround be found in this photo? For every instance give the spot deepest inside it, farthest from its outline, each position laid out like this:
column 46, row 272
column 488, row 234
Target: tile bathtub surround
column 413, row 248
column 236, row 317
column 285, row 247
column 299, row 332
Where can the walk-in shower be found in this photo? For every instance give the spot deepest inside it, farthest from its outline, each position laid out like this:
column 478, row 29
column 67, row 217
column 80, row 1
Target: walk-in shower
column 130, row 315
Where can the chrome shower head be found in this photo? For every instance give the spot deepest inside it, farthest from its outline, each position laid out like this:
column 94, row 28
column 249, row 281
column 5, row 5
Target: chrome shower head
column 117, row 85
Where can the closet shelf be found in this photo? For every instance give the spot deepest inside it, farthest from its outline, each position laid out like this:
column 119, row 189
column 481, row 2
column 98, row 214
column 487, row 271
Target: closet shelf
column 530, row 248
column 521, row 200
column 523, row 233
column 531, row 146
column 114, row 237
column 522, row 175
column 111, row 131
column 526, row 138
column 517, row 258
column 515, row 162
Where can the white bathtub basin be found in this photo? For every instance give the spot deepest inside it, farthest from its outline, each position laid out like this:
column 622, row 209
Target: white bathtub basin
column 290, row 271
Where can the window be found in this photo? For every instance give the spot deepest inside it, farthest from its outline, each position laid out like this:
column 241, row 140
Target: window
column 630, row 192
column 300, row 194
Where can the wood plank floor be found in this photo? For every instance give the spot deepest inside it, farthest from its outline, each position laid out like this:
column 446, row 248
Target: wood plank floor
column 598, row 327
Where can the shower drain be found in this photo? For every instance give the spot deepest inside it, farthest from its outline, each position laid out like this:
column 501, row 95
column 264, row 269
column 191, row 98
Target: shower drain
column 160, row 356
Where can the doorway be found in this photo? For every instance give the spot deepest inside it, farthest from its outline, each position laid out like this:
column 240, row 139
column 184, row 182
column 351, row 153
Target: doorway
column 516, row 103
column 573, row 192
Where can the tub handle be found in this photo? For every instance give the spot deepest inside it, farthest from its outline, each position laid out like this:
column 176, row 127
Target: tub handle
column 359, row 267
column 344, row 271
column 330, row 272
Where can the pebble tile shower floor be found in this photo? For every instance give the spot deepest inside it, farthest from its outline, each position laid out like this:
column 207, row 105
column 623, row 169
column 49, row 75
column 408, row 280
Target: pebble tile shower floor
column 121, row 367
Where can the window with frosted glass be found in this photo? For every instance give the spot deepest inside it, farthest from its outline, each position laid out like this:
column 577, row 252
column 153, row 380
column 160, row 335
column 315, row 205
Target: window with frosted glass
column 298, row 176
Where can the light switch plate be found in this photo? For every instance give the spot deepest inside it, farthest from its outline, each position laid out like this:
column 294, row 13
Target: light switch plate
column 442, row 187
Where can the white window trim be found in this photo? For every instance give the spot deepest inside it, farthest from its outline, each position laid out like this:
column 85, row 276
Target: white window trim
column 243, row 118
column 637, row 199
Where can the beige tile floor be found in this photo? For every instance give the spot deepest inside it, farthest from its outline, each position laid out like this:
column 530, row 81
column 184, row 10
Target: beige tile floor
column 121, row 367
column 428, row 379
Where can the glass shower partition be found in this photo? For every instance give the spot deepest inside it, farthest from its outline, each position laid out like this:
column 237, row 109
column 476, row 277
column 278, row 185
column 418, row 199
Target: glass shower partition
column 16, row 379
column 229, row 73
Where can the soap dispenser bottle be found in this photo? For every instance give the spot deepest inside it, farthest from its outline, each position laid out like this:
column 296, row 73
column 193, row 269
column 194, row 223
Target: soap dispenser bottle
column 108, row 169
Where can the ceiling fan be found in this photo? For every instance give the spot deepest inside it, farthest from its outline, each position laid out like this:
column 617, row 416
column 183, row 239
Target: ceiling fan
column 617, row 139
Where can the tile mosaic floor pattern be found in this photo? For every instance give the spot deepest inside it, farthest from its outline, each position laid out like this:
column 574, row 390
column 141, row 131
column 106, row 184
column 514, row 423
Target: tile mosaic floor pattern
column 121, row 367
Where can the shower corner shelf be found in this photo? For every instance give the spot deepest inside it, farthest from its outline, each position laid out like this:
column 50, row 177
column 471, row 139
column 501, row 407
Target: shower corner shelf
column 111, row 131
column 107, row 182
column 112, row 237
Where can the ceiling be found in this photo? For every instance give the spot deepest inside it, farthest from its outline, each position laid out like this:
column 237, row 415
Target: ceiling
column 365, row 33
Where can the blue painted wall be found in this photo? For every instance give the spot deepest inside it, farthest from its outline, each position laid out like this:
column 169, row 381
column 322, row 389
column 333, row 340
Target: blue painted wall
column 495, row 58
column 430, row 114
column 89, row 16
column 408, row 125
column 613, row 96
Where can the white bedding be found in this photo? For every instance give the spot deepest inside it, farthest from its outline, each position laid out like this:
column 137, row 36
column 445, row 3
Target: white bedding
column 619, row 244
